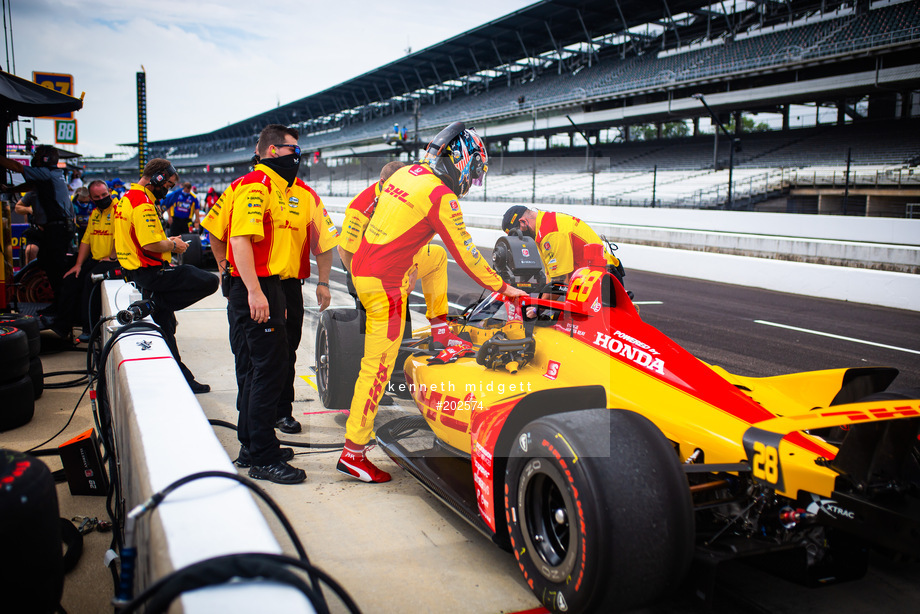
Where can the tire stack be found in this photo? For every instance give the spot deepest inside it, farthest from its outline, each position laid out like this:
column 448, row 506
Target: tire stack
column 21, row 374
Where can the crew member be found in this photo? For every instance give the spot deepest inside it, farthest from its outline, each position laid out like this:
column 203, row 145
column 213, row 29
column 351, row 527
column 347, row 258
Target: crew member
column 429, row 263
column 95, row 256
column 184, row 210
column 54, row 215
column 415, row 203
column 259, row 253
column 144, row 252
column 560, row 238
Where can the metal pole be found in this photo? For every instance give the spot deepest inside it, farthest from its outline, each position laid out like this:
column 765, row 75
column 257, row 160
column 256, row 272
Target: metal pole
column 846, row 183
column 731, row 167
column 654, row 183
column 533, row 145
column 593, row 176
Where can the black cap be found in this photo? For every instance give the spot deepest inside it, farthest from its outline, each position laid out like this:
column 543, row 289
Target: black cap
column 513, row 218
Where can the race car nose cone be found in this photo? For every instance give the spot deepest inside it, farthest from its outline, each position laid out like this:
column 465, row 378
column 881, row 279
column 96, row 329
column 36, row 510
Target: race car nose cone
column 559, row 516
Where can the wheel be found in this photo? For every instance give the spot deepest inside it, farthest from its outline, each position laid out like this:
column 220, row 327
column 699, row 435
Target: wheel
column 32, row 285
column 14, row 354
column 339, row 349
column 192, row 255
column 28, row 324
column 37, row 376
column 32, row 568
column 18, row 403
column 598, row 511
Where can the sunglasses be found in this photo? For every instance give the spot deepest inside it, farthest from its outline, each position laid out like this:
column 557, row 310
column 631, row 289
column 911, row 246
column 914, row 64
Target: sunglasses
column 296, row 148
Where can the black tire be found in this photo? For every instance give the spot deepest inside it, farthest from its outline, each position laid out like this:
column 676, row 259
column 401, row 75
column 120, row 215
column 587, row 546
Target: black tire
column 192, row 255
column 27, row 323
column 339, row 349
column 31, row 568
column 14, row 354
column 18, row 403
column 614, row 473
column 37, row 375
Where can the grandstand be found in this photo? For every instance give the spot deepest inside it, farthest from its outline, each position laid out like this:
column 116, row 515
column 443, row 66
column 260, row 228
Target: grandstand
column 538, row 82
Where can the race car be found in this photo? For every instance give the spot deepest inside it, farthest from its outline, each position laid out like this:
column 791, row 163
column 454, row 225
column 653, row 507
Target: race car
column 611, row 461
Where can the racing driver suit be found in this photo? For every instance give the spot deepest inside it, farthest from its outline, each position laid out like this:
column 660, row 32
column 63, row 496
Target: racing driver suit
column 413, row 206
column 430, row 260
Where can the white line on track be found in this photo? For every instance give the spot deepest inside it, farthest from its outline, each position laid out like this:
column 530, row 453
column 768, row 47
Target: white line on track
column 832, row 336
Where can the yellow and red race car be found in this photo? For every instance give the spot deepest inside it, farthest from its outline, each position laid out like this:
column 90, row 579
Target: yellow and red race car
column 607, row 458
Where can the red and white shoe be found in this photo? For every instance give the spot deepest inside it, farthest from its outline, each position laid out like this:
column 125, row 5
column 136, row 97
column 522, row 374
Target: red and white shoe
column 353, row 462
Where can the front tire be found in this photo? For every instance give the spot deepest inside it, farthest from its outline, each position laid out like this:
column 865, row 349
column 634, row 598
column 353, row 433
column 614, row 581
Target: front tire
column 338, row 353
column 598, row 511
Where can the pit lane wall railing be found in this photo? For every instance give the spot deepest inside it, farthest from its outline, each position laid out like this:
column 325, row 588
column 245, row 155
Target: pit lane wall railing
column 162, row 434
column 875, row 261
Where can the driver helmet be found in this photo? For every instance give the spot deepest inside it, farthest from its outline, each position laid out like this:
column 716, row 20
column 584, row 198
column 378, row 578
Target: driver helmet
column 458, row 157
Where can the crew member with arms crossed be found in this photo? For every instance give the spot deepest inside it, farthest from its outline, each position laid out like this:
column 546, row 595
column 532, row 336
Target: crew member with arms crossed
column 429, row 264
column 144, row 252
column 260, row 251
column 416, row 202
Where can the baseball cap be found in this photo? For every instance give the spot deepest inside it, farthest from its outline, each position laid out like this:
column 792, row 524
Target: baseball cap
column 513, row 217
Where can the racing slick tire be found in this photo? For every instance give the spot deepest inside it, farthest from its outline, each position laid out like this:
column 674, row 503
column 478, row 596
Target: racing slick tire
column 28, row 324
column 339, row 349
column 598, row 511
column 18, row 403
column 14, row 353
column 192, row 255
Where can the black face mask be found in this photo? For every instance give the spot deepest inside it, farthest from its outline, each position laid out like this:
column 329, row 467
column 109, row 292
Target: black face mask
column 159, row 192
column 103, row 203
column 286, row 166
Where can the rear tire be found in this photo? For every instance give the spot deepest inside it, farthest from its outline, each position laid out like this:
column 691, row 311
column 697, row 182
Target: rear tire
column 598, row 511
column 339, row 349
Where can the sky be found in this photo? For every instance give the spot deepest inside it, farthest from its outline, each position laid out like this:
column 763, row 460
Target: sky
column 210, row 63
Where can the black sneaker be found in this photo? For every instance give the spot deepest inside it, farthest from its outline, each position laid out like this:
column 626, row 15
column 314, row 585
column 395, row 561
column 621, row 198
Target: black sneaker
column 288, row 425
column 278, row 472
column 244, row 460
column 198, row 388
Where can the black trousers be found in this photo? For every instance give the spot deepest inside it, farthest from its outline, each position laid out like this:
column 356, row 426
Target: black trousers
column 179, row 226
column 171, row 289
column 52, row 253
column 267, row 346
column 293, row 300
column 78, row 291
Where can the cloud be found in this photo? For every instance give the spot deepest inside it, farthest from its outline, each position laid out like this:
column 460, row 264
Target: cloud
column 209, row 64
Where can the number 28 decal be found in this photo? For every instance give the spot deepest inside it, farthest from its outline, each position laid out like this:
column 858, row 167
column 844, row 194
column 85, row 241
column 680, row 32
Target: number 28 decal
column 762, row 449
column 765, row 464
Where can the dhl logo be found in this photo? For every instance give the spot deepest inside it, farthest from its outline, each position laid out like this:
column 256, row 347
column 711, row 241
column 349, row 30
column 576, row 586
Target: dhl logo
column 857, row 415
column 394, row 191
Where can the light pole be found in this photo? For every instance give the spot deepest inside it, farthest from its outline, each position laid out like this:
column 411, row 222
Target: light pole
column 731, row 152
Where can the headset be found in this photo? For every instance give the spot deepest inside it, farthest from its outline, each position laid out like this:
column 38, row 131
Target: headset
column 160, row 178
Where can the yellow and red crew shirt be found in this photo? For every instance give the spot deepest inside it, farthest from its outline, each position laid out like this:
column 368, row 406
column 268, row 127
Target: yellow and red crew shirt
column 217, row 221
column 414, row 205
column 99, row 233
column 137, row 224
column 259, row 211
column 561, row 239
column 310, row 229
column 357, row 216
